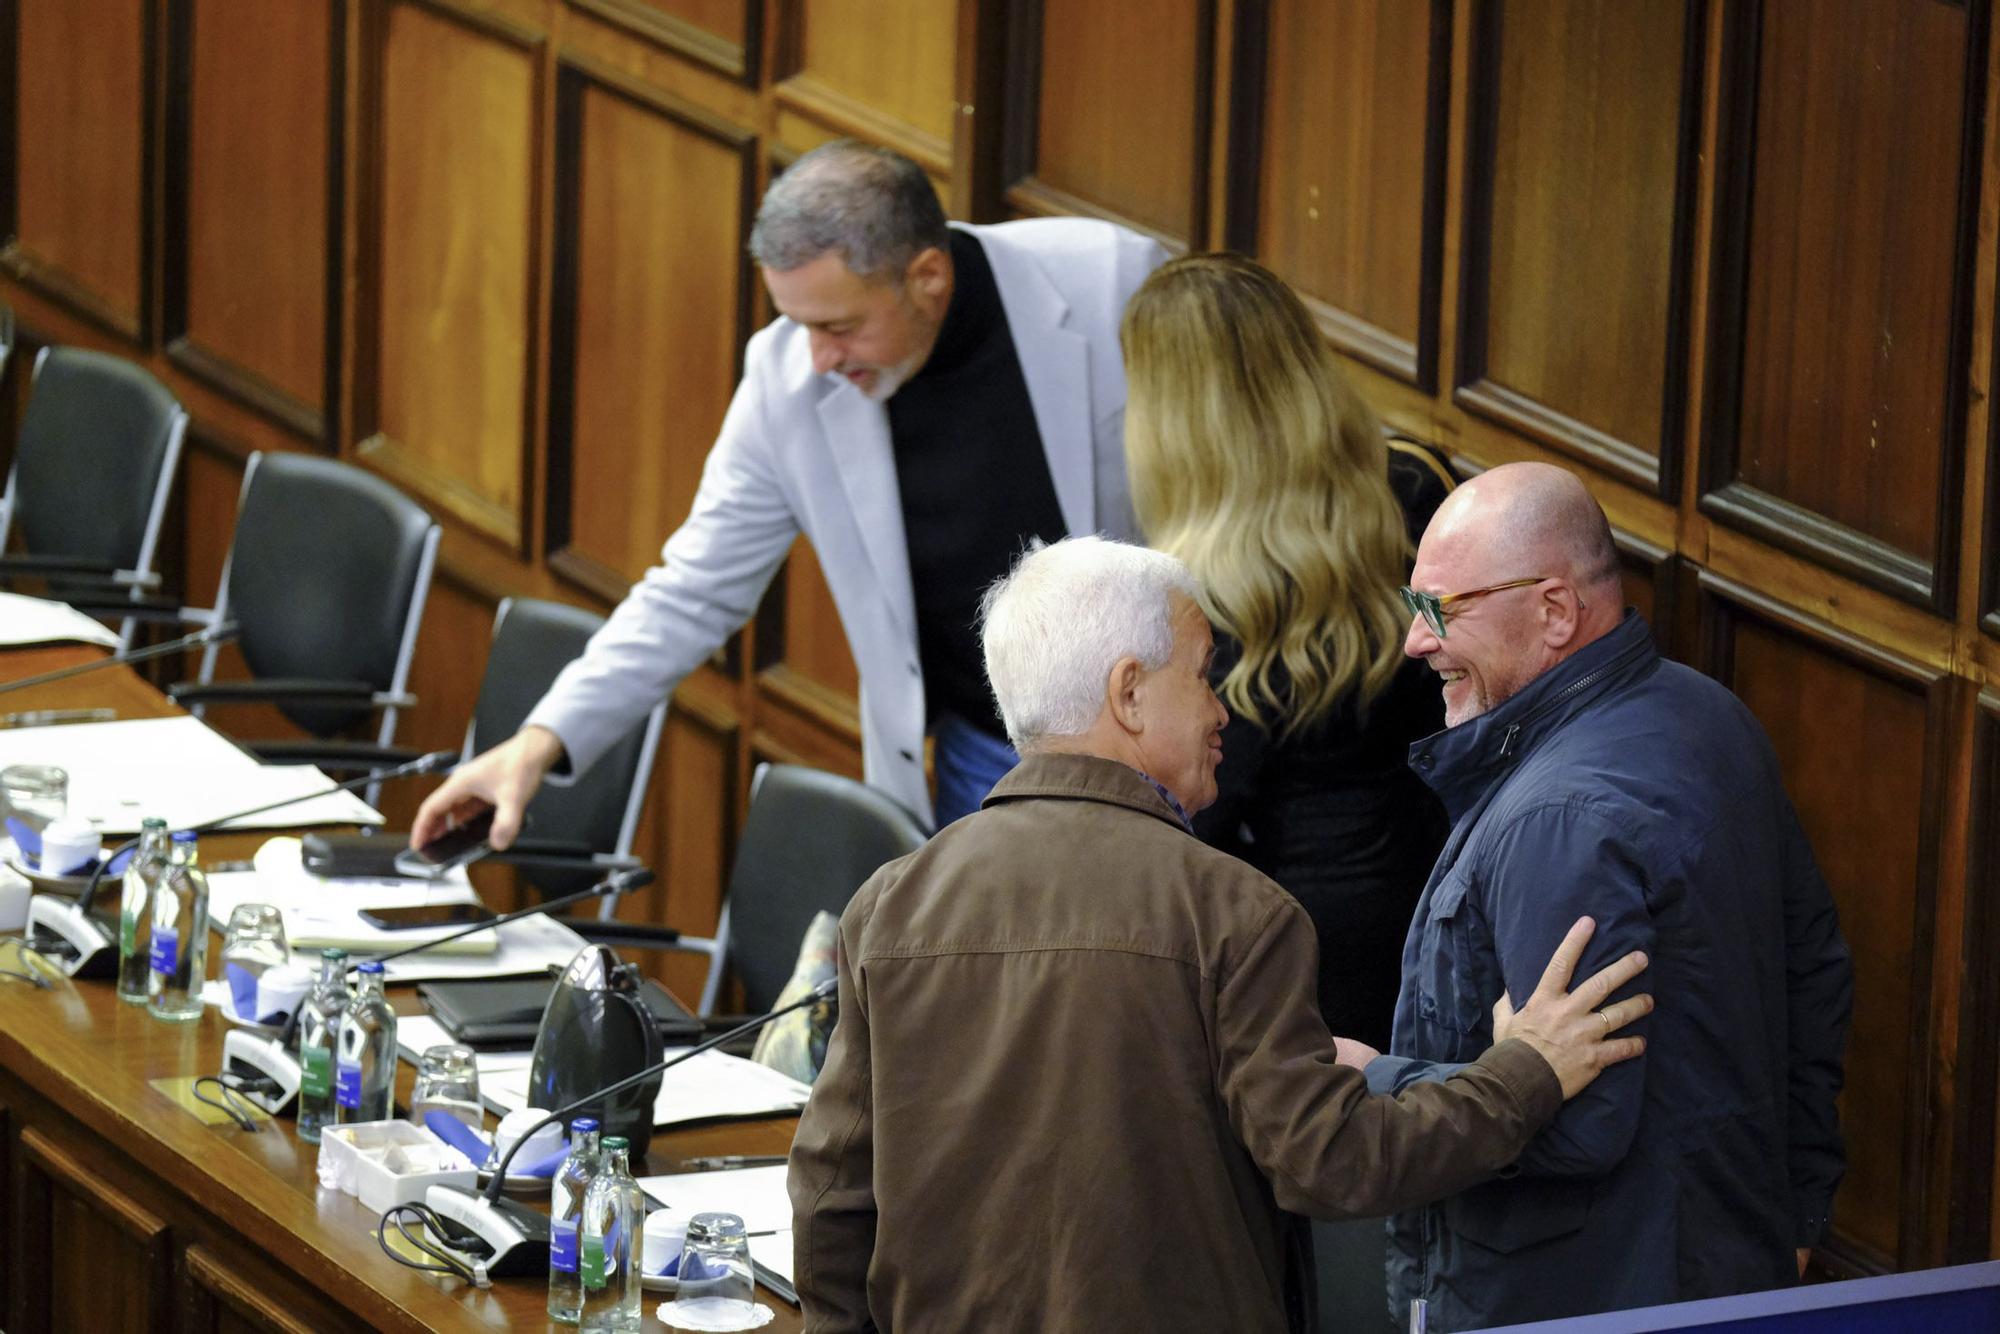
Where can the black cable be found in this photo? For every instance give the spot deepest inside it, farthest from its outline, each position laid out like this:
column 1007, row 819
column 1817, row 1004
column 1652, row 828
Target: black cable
column 226, row 1104
column 473, row 1273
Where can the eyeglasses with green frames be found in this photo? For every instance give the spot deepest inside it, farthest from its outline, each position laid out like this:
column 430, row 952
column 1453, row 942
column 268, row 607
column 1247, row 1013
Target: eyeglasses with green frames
column 1431, row 606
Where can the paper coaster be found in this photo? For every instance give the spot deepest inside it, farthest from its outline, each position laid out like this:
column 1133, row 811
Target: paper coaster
column 702, row 1314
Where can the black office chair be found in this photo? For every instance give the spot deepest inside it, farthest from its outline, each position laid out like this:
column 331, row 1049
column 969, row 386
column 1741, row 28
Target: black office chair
column 94, row 463
column 810, row 840
column 596, row 814
column 325, row 583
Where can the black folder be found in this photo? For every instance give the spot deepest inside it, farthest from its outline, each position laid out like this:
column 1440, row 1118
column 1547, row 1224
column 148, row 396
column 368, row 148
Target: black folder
column 506, row 1012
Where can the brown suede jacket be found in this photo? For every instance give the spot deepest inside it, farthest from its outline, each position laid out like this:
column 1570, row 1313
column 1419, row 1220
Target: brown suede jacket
column 1079, row 1073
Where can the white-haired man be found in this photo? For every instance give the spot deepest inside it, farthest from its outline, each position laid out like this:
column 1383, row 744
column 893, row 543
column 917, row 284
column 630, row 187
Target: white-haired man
column 1079, row 1071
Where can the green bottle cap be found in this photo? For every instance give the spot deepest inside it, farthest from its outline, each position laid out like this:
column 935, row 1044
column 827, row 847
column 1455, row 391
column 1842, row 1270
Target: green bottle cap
column 614, row 1143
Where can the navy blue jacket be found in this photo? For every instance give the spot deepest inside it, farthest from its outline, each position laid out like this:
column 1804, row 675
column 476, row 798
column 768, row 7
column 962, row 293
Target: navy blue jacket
column 1646, row 796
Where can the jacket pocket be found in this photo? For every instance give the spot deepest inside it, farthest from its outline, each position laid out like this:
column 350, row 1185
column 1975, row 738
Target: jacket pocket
column 1509, row 1216
column 1448, row 967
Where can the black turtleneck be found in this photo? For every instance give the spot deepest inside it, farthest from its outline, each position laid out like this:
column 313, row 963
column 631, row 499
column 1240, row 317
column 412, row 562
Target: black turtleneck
column 975, row 484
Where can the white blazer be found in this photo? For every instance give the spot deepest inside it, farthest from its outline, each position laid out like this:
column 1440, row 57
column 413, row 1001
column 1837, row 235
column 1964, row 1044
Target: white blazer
column 807, row 453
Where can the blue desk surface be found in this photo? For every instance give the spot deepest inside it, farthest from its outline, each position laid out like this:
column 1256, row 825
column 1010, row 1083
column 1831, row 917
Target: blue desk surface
column 1965, row 1297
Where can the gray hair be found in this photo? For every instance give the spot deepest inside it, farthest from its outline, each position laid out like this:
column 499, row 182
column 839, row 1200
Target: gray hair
column 872, row 207
column 1054, row 626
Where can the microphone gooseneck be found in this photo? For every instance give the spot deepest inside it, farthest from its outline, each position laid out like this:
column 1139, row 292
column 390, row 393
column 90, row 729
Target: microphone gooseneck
column 618, row 882
column 214, row 634
column 823, row 992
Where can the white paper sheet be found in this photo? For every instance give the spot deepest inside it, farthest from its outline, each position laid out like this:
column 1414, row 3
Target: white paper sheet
column 26, row 620
column 179, row 769
column 709, row 1087
column 754, row 1194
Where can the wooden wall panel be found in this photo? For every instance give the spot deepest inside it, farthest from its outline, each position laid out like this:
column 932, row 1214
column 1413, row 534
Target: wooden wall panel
column 456, row 266
column 721, row 33
column 1113, row 143
column 1571, row 287
column 653, row 305
column 252, row 285
column 81, row 122
column 1348, row 205
column 880, row 69
column 693, row 845
column 1973, row 1215
column 1864, row 795
column 1845, row 440
column 802, row 648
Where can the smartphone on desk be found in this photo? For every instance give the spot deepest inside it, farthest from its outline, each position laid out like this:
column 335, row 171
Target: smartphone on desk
column 455, row 847
column 420, row 915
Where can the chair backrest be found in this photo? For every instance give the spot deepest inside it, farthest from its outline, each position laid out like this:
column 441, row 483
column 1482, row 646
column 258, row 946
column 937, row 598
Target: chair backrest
column 326, row 578
column 532, row 642
column 810, row 840
column 95, row 459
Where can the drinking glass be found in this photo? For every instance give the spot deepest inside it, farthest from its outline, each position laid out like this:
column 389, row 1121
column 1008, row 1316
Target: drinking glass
column 34, row 794
column 254, row 940
column 715, row 1276
column 448, row 1081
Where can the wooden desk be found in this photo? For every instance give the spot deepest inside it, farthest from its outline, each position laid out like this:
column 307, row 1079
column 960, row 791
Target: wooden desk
column 124, row 1212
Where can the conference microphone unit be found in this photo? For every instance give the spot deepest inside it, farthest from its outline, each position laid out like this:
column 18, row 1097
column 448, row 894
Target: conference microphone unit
column 64, row 931
column 266, row 1068
column 214, row 634
column 518, row 1237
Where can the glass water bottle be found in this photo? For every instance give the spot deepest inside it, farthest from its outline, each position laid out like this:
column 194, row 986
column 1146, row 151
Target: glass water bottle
column 135, row 910
column 364, row 1068
column 179, row 946
column 319, row 1030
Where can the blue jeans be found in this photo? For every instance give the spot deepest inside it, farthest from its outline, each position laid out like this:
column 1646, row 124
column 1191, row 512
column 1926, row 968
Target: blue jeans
column 970, row 761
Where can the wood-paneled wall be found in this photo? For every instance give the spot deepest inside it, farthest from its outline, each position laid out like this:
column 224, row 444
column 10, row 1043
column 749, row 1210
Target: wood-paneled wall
column 1734, row 261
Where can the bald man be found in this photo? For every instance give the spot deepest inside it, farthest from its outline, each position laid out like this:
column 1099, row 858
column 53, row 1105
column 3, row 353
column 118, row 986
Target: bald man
column 1583, row 774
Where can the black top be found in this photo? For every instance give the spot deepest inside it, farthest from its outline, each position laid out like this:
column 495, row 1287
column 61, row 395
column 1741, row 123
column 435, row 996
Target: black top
column 975, row 484
column 1334, row 814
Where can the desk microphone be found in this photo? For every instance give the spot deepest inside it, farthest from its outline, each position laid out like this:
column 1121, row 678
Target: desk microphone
column 265, row 1069
column 60, row 927
column 517, row 1236
column 214, row 634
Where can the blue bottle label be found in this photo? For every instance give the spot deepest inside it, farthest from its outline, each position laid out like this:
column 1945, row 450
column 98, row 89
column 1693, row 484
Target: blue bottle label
column 166, row 951
column 562, row 1246
column 347, row 1086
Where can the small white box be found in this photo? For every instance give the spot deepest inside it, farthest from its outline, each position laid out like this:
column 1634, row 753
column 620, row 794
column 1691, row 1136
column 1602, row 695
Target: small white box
column 386, row 1163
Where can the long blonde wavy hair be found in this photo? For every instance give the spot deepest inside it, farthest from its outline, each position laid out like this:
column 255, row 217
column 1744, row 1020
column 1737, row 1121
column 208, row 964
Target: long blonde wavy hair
column 1254, row 461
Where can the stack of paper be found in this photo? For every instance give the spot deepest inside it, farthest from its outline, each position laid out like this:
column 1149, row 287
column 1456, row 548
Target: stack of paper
column 179, row 769
column 323, row 913
column 25, row 621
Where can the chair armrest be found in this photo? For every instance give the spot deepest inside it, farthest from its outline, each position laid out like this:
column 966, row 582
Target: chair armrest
column 272, row 690
column 344, row 756
column 23, row 563
column 715, row 1024
column 109, row 603
column 633, row 935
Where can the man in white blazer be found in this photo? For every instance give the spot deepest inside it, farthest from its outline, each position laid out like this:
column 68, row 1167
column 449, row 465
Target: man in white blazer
column 854, row 249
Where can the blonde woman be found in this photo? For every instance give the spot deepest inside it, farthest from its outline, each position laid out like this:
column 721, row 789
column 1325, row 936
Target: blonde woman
column 1254, row 461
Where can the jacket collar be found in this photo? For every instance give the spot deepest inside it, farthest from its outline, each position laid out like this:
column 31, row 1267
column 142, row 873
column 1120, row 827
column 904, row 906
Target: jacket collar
column 1461, row 763
column 1083, row 778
